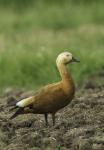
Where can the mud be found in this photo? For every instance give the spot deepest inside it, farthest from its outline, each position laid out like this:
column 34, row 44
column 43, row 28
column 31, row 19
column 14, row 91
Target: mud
column 79, row 126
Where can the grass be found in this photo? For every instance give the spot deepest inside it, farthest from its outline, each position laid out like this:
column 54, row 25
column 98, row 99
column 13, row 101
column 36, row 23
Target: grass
column 31, row 39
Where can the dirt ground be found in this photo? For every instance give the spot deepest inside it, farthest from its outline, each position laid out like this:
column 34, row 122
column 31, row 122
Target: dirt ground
column 79, row 126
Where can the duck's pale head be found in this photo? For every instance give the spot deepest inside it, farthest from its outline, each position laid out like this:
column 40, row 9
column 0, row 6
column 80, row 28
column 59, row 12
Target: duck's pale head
column 66, row 58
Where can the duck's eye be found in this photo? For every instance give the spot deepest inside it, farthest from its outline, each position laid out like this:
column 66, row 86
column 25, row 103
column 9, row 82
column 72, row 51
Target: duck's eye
column 67, row 55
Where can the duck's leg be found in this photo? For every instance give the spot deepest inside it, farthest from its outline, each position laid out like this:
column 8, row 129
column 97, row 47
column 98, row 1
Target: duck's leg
column 46, row 118
column 53, row 118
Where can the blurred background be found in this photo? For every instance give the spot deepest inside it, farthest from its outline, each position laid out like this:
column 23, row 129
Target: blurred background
column 34, row 32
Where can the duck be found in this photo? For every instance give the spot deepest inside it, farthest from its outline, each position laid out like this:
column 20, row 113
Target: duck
column 52, row 97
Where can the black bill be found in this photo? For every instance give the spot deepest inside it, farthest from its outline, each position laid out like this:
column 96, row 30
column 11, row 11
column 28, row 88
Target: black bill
column 75, row 60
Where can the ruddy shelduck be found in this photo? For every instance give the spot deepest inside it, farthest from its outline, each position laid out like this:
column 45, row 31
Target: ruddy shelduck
column 52, row 97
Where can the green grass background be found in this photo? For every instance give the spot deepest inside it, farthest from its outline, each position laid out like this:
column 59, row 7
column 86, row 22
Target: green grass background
column 33, row 33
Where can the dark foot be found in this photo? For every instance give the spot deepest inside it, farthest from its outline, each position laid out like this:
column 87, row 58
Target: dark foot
column 46, row 118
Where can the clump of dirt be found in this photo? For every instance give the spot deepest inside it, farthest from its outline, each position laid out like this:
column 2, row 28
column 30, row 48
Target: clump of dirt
column 79, row 126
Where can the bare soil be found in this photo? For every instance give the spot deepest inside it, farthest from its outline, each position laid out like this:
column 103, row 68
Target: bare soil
column 79, row 126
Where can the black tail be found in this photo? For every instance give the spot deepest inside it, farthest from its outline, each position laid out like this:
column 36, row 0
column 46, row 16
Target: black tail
column 15, row 107
column 18, row 112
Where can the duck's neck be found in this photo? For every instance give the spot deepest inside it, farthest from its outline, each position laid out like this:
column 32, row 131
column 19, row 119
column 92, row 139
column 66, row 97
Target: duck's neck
column 67, row 81
column 64, row 73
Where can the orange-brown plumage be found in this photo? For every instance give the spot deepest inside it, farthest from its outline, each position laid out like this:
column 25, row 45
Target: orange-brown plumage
column 52, row 97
